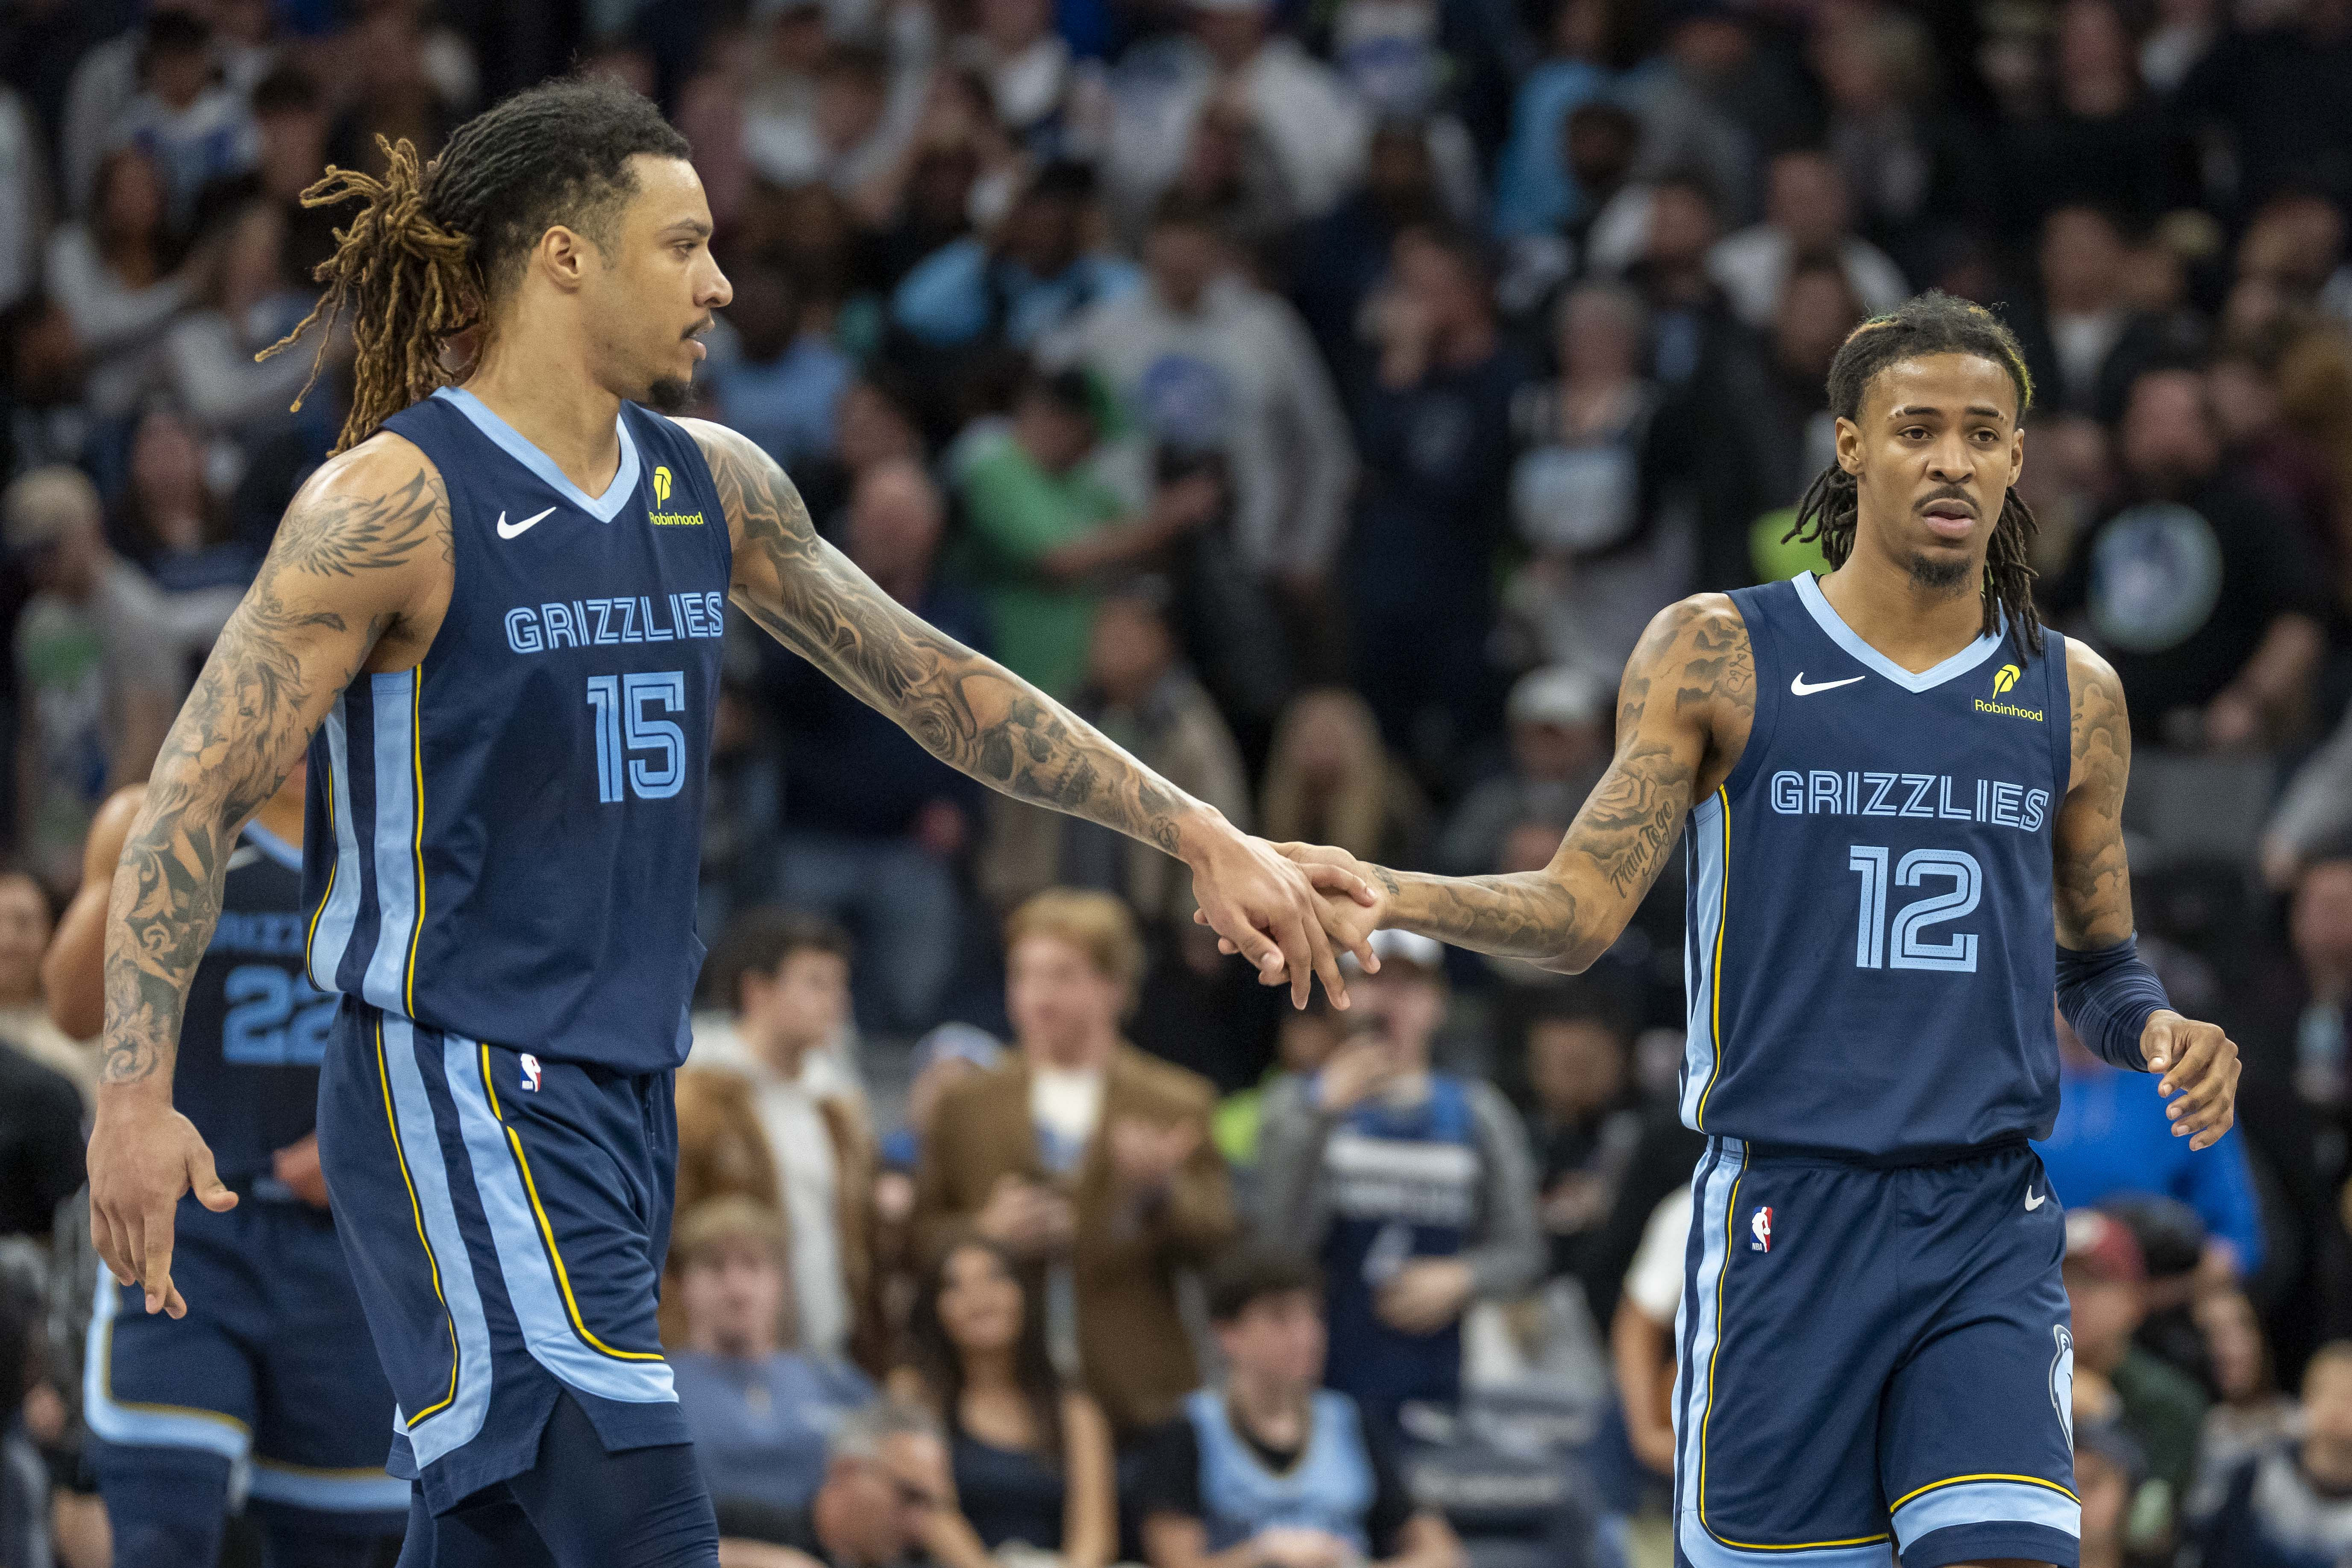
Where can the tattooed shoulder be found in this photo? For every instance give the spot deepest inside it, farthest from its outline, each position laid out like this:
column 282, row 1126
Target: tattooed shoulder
column 2101, row 747
column 378, row 505
column 763, row 507
column 1697, row 659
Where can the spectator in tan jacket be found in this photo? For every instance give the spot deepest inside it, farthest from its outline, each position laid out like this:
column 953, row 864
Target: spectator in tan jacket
column 786, row 977
column 1087, row 1156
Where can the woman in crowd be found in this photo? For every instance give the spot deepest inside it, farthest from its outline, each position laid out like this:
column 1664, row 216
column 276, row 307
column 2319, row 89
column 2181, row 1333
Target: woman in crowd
column 760, row 1414
column 1032, row 1458
column 1328, row 779
column 2251, row 1416
column 114, row 272
column 1600, row 565
column 244, row 306
column 172, row 524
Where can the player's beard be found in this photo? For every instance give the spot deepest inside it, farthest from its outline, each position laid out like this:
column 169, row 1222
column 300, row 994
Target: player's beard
column 1943, row 573
column 670, row 395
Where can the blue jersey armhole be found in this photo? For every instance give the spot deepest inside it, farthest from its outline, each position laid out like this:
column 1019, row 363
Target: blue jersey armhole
column 1756, row 619
column 2061, row 722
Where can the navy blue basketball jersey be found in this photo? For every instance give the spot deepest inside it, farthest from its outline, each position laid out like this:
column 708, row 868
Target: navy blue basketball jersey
column 255, row 1028
column 1870, row 952
column 504, row 841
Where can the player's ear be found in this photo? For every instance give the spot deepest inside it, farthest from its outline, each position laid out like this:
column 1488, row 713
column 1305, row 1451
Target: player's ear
column 2016, row 455
column 562, row 257
column 1849, row 446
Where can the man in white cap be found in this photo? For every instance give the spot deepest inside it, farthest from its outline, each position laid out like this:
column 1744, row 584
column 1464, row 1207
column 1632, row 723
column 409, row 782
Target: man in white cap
column 1414, row 1189
column 98, row 672
column 1559, row 717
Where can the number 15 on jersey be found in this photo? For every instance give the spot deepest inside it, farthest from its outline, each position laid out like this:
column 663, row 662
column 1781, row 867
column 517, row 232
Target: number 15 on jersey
column 1907, row 946
column 624, row 726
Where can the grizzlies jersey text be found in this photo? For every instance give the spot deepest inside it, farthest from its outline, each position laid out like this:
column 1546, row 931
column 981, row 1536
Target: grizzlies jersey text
column 253, row 1029
column 1871, row 952
column 504, row 841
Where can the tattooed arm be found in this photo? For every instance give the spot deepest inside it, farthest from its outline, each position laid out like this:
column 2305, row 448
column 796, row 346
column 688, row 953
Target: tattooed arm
column 358, row 575
column 1684, row 709
column 980, row 718
column 2091, row 884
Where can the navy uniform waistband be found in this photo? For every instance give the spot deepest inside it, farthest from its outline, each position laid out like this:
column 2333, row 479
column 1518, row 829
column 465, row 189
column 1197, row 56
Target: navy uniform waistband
column 1894, row 1160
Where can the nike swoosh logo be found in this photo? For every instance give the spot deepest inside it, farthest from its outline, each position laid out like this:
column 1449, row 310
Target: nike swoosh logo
column 244, row 855
column 507, row 530
column 2033, row 1203
column 1799, row 685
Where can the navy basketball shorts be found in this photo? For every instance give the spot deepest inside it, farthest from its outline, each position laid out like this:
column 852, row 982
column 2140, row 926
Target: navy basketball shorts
column 1874, row 1356
column 268, row 1371
column 506, row 1220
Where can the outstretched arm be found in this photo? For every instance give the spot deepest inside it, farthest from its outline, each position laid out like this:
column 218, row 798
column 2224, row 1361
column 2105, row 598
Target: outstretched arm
column 364, row 543
column 976, row 716
column 1683, row 714
column 2093, row 894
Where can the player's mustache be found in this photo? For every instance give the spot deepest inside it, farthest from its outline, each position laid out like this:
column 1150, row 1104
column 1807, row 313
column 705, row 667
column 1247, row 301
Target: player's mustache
column 699, row 328
column 1949, row 492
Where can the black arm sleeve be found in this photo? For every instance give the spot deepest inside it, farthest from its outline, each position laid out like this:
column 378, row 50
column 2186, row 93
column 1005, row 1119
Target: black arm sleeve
column 1393, row 1504
column 1170, row 1478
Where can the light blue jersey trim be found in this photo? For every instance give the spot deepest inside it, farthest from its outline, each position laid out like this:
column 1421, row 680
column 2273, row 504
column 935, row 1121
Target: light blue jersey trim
column 1986, row 1502
column 1706, row 1551
column 523, row 1259
column 1702, row 1052
column 458, row 1422
column 277, row 849
column 146, row 1426
column 328, row 1493
column 395, row 839
column 604, row 507
column 1704, row 1296
column 1825, row 615
column 331, row 933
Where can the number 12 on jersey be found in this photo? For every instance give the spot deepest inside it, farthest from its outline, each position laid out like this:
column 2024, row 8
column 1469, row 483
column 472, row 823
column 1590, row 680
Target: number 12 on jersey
column 623, row 726
column 1912, row 950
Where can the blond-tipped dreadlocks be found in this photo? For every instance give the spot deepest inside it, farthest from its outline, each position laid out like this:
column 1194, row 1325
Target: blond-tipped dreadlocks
column 434, row 244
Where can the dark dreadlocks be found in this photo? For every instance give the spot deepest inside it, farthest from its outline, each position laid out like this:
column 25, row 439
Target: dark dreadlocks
column 1933, row 323
column 435, row 243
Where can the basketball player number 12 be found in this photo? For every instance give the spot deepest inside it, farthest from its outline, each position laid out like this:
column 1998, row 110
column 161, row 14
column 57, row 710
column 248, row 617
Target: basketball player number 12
column 1912, row 950
column 623, row 726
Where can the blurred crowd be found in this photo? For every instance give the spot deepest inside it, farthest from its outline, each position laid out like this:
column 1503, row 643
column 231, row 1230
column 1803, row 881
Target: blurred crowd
column 1320, row 395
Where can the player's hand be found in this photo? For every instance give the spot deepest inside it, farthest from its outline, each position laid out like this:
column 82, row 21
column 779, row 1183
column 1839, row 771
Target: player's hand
column 1269, row 907
column 1426, row 1295
column 1349, row 917
column 2200, row 1063
column 297, row 1165
column 143, row 1156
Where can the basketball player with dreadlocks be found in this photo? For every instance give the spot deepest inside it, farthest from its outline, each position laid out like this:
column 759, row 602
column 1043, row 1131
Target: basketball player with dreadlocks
column 494, row 618
column 1901, row 799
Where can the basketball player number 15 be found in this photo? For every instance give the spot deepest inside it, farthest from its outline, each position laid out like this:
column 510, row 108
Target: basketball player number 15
column 624, row 725
column 1909, row 943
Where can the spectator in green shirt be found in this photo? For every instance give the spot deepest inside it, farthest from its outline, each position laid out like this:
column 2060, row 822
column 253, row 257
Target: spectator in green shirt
column 1042, row 529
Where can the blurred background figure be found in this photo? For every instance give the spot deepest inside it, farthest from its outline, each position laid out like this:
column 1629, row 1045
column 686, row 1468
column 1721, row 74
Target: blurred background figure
column 760, row 1414
column 1030, row 1455
column 1412, row 1187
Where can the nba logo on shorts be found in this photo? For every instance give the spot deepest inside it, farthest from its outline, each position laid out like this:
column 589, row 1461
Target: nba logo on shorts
column 1759, row 1229
column 530, row 1070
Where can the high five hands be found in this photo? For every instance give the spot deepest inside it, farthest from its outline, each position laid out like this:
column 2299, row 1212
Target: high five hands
column 1350, row 897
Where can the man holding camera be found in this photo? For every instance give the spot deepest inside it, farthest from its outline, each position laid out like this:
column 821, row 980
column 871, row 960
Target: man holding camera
column 1414, row 1189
